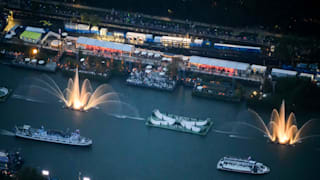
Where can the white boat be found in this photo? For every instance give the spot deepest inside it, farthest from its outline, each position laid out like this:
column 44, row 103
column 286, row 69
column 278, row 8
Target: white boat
column 53, row 136
column 248, row 166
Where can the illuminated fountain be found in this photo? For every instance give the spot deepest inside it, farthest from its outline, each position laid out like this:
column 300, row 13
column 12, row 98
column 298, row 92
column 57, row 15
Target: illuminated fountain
column 73, row 96
column 83, row 99
column 281, row 131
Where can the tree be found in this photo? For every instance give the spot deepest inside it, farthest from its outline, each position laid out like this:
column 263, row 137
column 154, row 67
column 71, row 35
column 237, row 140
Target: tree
column 29, row 173
column 285, row 49
column 90, row 19
column 84, row 18
column 94, row 20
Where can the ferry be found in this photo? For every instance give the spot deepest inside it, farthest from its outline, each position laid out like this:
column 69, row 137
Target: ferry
column 179, row 123
column 53, row 136
column 239, row 165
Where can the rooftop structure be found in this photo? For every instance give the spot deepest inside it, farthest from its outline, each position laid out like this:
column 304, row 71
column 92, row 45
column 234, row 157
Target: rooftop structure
column 213, row 62
column 282, row 73
column 237, row 47
column 89, row 43
column 35, row 29
column 258, row 68
column 29, row 36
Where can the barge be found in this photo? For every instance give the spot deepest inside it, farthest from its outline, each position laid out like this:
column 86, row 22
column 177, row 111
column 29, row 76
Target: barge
column 179, row 123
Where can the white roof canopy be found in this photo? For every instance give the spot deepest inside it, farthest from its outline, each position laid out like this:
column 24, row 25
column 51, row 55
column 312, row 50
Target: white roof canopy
column 143, row 53
column 105, row 44
column 219, row 63
column 35, row 29
column 157, row 55
column 136, row 52
column 258, row 67
column 175, row 39
column 237, row 46
column 307, row 75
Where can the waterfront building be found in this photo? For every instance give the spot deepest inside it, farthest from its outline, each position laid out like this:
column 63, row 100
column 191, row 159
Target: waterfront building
column 79, row 28
column 175, row 41
column 258, row 69
column 306, row 75
column 138, row 38
column 32, row 34
column 95, row 30
column 218, row 65
column 103, row 46
column 29, row 36
column 103, row 31
column 237, row 47
column 282, row 73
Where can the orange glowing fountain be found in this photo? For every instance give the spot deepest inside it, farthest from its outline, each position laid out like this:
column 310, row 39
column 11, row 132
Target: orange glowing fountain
column 83, row 99
column 75, row 96
column 280, row 130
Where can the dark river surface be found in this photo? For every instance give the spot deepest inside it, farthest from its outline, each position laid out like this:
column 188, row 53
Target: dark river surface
column 128, row 149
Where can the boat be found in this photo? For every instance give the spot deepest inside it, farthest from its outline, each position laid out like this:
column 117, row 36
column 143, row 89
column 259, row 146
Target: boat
column 179, row 123
column 53, row 136
column 4, row 93
column 10, row 162
column 239, row 165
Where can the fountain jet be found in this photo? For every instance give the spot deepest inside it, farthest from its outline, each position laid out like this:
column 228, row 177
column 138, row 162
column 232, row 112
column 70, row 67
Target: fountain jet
column 73, row 96
column 84, row 98
column 279, row 130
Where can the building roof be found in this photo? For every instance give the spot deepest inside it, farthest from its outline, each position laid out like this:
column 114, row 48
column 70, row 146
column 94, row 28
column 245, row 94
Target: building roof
column 171, row 38
column 35, row 29
column 31, row 35
column 105, row 44
column 283, row 71
column 262, row 68
column 237, row 46
column 311, row 76
column 219, row 63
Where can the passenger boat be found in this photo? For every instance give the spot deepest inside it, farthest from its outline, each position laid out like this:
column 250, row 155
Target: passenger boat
column 239, row 165
column 53, row 136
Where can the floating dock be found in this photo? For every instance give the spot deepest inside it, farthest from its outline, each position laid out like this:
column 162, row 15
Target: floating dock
column 179, row 123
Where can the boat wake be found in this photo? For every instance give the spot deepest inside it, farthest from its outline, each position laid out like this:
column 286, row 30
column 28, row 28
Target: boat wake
column 224, row 132
column 17, row 96
column 6, row 132
column 238, row 137
column 119, row 116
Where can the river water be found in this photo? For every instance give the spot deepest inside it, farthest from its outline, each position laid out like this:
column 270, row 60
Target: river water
column 127, row 149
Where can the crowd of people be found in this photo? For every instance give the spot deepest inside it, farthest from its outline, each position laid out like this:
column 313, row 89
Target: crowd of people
column 149, row 22
column 212, row 33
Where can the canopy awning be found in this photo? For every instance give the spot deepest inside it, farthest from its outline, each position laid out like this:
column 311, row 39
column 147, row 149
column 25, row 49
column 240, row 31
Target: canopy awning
column 105, row 44
column 219, row 63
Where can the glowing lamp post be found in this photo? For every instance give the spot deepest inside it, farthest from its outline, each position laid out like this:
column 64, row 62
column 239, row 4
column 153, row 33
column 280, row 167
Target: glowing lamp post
column 46, row 173
column 86, row 178
column 34, row 51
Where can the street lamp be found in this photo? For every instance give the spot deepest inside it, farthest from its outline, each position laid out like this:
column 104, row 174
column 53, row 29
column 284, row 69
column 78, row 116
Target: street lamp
column 46, row 173
column 86, row 178
column 34, row 51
